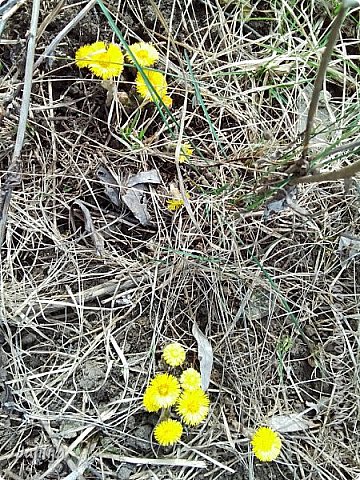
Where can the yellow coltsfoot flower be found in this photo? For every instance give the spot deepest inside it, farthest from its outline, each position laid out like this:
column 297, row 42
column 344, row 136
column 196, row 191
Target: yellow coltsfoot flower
column 145, row 54
column 165, row 390
column 266, row 444
column 174, row 204
column 168, row 432
column 190, row 379
column 149, row 401
column 185, row 152
column 158, row 82
column 177, row 200
column 104, row 60
column 174, row 354
column 193, row 406
column 167, row 101
column 85, row 53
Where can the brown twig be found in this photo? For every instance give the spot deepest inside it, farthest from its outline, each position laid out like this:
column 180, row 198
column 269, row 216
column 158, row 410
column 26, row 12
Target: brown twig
column 318, row 85
column 345, row 172
column 13, row 175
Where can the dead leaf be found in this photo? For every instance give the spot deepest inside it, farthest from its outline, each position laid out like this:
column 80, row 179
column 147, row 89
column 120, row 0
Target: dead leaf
column 280, row 204
column 136, row 189
column 174, row 192
column 97, row 238
column 109, row 183
column 151, row 176
column 320, row 407
column 135, row 198
column 294, row 422
column 111, row 91
column 349, row 246
column 136, row 201
column 292, row 203
column 274, row 207
column 205, row 354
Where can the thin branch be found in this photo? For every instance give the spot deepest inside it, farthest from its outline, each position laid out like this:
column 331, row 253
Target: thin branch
column 345, row 172
column 13, row 176
column 319, row 81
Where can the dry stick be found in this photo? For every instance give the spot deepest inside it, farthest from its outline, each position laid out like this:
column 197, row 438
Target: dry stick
column 170, row 462
column 7, row 6
column 346, row 146
column 49, row 50
column 13, row 176
column 345, row 172
column 318, row 85
column 49, row 18
column 106, row 289
column 350, row 170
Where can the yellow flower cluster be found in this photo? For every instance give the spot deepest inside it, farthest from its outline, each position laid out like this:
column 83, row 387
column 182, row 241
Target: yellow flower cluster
column 107, row 61
column 190, row 402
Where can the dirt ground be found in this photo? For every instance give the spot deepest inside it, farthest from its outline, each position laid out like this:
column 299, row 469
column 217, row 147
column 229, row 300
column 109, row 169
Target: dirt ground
column 85, row 308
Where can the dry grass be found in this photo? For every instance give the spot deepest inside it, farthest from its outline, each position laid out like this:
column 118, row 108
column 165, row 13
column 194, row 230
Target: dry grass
column 278, row 301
